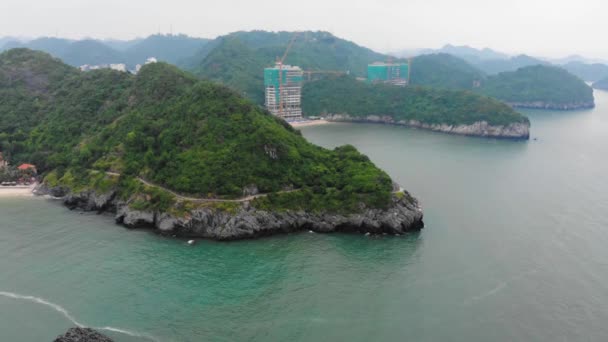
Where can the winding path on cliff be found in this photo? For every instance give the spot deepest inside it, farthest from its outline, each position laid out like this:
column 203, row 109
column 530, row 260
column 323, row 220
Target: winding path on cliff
column 203, row 200
column 212, row 200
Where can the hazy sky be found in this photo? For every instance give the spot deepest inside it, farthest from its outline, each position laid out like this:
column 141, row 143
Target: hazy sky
column 540, row 27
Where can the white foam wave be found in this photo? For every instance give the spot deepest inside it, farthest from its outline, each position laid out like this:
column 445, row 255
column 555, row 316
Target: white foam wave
column 68, row 316
column 42, row 301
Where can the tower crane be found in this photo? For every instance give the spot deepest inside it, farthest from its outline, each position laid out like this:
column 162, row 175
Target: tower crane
column 280, row 64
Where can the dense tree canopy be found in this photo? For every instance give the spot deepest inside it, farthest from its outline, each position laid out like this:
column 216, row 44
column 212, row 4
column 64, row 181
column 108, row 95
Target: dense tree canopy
column 238, row 59
column 427, row 105
column 601, row 84
column 537, row 83
column 165, row 126
column 443, row 71
column 588, row 72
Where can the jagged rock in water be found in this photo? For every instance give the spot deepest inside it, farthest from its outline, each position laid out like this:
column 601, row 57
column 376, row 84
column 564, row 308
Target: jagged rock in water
column 82, row 335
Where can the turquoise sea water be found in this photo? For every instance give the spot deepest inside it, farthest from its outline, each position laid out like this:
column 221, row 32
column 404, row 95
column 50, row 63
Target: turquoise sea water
column 514, row 249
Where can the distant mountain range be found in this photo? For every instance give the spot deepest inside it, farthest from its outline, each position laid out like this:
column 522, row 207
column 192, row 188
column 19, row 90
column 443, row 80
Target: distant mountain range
column 493, row 62
column 471, row 54
column 238, row 59
column 168, row 48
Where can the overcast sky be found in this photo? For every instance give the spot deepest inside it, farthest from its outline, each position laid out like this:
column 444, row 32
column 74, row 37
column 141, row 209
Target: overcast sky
column 540, row 27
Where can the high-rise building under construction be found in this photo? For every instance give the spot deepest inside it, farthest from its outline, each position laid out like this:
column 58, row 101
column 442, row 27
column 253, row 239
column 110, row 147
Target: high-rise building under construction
column 283, row 85
column 391, row 73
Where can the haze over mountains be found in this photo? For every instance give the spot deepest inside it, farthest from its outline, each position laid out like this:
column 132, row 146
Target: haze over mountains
column 167, row 48
column 492, row 62
column 191, row 53
column 237, row 60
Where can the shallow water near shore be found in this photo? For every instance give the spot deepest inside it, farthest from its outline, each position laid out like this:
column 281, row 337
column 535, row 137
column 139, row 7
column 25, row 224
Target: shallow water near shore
column 514, row 249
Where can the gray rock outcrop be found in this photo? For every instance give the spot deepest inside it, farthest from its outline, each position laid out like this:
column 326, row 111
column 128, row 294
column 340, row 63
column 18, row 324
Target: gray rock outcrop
column 82, row 335
column 402, row 215
column 478, row 129
column 552, row 105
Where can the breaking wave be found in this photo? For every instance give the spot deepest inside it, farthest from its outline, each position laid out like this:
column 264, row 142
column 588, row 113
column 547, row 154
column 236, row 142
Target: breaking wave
column 68, row 316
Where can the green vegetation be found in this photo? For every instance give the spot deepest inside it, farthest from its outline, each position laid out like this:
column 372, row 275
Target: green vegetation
column 163, row 125
column 360, row 183
column 167, row 48
column 78, row 179
column 427, row 105
column 47, row 108
column 588, row 72
column 238, row 59
column 495, row 66
column 443, row 71
column 601, row 84
column 538, row 83
column 13, row 174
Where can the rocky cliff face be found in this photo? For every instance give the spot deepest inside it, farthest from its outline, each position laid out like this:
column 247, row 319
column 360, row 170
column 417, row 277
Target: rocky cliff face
column 477, row 129
column 404, row 214
column 82, row 335
column 552, row 105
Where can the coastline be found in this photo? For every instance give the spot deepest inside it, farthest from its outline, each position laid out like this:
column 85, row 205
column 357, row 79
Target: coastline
column 17, row 191
column 514, row 131
column 551, row 106
column 403, row 214
column 306, row 123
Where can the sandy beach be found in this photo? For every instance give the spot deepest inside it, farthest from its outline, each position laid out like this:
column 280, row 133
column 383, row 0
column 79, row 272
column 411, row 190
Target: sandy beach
column 309, row 123
column 16, row 191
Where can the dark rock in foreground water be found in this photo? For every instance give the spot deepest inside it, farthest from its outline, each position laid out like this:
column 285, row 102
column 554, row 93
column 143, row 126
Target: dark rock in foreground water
column 82, row 335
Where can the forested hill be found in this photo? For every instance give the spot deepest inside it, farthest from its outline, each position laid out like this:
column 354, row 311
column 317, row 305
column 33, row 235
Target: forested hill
column 495, row 66
column 588, row 72
column 444, row 71
column 601, row 84
column 165, row 126
column 238, row 59
column 539, row 87
column 345, row 95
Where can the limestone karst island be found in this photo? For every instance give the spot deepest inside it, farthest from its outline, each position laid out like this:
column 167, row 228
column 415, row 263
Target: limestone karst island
column 258, row 171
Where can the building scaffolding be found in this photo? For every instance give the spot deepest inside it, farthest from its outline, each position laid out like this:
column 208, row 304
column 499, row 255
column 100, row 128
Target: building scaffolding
column 389, row 73
column 283, row 88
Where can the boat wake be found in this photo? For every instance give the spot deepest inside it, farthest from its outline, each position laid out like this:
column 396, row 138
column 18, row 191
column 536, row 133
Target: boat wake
column 69, row 317
column 501, row 286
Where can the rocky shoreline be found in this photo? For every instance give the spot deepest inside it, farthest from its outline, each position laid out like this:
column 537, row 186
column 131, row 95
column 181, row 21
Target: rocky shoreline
column 246, row 222
column 477, row 129
column 82, row 335
column 552, row 106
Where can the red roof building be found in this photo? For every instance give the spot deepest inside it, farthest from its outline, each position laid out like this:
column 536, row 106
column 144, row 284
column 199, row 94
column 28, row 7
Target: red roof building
column 25, row 167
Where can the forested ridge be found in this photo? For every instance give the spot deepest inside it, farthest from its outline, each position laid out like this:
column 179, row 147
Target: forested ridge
column 427, row 105
column 164, row 125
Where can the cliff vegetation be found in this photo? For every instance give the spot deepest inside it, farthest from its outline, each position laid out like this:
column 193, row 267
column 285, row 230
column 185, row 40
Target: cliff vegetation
column 345, row 95
column 165, row 127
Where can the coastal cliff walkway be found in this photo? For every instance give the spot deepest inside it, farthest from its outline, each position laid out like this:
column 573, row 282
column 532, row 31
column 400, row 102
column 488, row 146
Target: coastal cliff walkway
column 212, row 200
column 201, row 199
